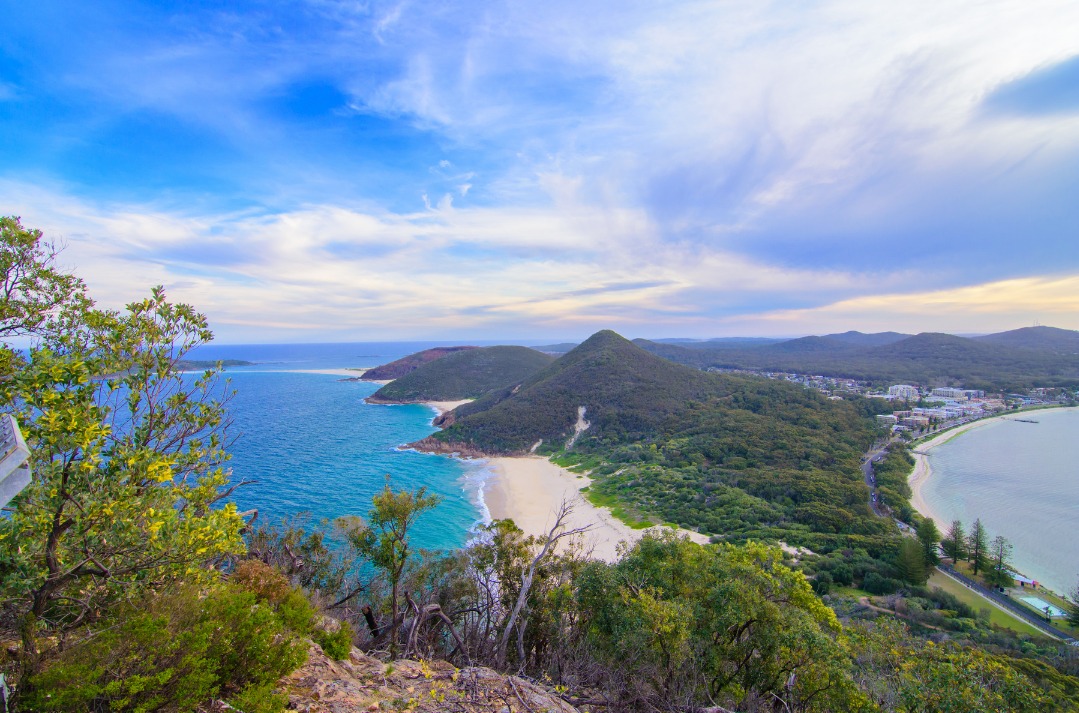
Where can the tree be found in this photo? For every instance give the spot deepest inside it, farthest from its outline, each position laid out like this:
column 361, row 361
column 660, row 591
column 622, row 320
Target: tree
column 682, row 626
column 32, row 288
column 126, row 451
column 978, row 546
column 929, row 536
column 910, row 562
column 1000, row 560
column 1073, row 610
column 955, row 545
column 384, row 539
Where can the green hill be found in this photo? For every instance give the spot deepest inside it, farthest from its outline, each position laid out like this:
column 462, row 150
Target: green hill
column 740, row 456
column 397, row 369
column 464, row 374
column 1009, row 361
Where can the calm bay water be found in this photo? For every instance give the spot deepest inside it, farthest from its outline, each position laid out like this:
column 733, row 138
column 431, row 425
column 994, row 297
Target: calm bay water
column 314, row 447
column 1022, row 480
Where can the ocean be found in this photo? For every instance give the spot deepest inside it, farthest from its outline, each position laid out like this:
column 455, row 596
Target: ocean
column 313, row 446
column 1022, row 480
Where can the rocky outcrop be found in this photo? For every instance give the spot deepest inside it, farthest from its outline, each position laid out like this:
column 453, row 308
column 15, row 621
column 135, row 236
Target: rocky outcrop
column 363, row 683
column 463, row 450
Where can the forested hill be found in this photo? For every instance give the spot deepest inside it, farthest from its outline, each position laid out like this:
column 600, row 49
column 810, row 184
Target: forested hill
column 1008, row 361
column 397, row 369
column 466, row 374
column 726, row 454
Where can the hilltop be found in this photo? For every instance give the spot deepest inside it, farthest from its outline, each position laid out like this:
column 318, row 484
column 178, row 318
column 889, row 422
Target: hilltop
column 397, row 369
column 466, row 374
column 1023, row 358
column 726, row 454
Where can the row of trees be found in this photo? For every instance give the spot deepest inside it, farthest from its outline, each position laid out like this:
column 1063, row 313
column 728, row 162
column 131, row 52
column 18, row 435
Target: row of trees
column 991, row 558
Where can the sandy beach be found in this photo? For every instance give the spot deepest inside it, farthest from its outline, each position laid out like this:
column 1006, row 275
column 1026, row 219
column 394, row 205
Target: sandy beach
column 529, row 489
column 442, row 407
column 919, row 476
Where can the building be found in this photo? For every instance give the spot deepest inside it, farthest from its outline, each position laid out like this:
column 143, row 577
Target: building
column 904, row 391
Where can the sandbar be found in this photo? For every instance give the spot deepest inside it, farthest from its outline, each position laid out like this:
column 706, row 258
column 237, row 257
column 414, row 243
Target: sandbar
column 530, row 489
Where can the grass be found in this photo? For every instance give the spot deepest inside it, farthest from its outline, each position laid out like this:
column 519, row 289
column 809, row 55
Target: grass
column 976, row 601
column 632, row 520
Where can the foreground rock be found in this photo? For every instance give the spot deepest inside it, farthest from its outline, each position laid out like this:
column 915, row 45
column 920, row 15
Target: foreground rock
column 363, row 683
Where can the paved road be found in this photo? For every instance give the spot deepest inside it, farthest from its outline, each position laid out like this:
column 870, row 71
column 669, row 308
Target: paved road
column 1008, row 604
column 870, row 479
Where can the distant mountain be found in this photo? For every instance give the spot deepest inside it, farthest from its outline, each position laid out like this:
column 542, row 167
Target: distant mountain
column 810, row 345
column 560, row 348
column 861, row 339
column 1042, row 358
column 721, row 342
column 397, row 369
column 465, row 374
column 1052, row 339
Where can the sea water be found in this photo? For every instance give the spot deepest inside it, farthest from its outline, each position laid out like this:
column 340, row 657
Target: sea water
column 1022, row 480
column 310, row 445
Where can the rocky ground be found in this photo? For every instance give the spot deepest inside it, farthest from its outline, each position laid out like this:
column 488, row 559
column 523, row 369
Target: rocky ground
column 363, row 683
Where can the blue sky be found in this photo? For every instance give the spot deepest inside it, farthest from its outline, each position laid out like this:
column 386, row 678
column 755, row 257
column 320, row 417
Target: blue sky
column 333, row 171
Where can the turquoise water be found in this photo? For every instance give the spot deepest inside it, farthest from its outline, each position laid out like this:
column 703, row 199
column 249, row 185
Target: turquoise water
column 315, row 447
column 1022, row 480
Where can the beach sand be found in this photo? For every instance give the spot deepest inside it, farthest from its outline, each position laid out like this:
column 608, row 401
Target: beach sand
column 442, row 407
column 530, row 489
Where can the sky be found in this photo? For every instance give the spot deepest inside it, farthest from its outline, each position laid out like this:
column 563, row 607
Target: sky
column 315, row 170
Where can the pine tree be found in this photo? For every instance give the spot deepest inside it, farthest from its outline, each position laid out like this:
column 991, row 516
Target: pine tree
column 978, row 546
column 929, row 536
column 1001, row 554
column 910, row 562
column 955, row 545
column 1073, row 610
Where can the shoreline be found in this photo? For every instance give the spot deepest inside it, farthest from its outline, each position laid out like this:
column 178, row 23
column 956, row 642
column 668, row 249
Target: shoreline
column 530, row 489
column 923, row 471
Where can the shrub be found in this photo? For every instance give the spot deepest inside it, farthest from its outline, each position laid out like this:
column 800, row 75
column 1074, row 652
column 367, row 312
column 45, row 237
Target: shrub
column 336, row 644
column 173, row 652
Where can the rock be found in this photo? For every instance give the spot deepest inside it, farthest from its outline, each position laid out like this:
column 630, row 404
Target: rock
column 363, row 683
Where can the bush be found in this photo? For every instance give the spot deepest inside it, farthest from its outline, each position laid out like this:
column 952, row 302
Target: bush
column 173, row 652
column 336, row 644
column 876, row 584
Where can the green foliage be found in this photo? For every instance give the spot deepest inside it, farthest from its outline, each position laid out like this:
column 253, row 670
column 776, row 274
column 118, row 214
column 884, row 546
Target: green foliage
column 173, row 652
column 744, row 457
column 1073, row 610
column 929, row 536
column 722, row 623
column 336, row 644
column 400, row 367
column 383, row 540
column 955, row 544
column 910, row 564
column 33, row 289
column 913, row 675
column 978, row 547
column 126, row 452
column 466, row 374
column 891, row 474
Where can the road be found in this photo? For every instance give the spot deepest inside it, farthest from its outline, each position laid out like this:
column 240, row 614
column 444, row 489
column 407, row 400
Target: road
column 874, row 454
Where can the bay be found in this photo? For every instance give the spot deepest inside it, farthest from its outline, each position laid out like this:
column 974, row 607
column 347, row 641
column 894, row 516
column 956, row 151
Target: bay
column 1022, row 480
column 313, row 446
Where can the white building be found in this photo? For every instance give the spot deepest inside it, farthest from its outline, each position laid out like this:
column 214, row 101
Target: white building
column 903, row 391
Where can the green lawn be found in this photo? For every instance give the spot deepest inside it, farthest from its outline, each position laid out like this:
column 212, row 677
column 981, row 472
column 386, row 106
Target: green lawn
column 996, row 616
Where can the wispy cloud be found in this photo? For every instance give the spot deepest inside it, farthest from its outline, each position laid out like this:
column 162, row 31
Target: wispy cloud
column 408, row 169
